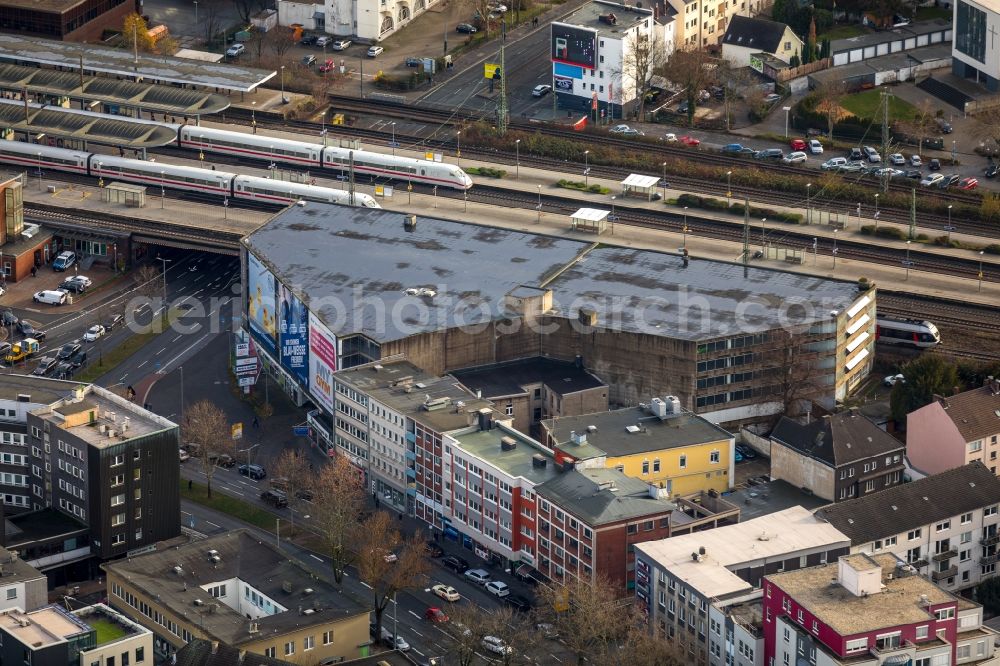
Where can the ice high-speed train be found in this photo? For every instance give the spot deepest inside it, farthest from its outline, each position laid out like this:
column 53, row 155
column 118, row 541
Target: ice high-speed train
column 316, row 156
column 160, row 174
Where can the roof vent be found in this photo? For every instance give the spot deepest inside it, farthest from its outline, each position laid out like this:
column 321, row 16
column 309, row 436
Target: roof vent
column 306, row 592
column 591, row 428
column 410, row 222
column 764, row 536
column 539, row 461
column 578, row 438
column 632, row 428
column 199, row 602
column 701, row 551
column 24, row 397
column 286, row 586
column 213, row 553
column 308, row 611
column 179, row 570
column 215, row 559
column 508, row 443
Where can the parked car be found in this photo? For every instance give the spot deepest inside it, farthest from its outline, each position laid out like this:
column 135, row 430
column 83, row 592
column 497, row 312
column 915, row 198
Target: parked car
column 833, row 164
column 815, row 147
column 769, row 154
column 915, row 161
column 797, row 144
column 541, row 90
column 398, row 643
column 480, row 576
column 64, row 370
column 496, row 646
column 733, row 148
column 235, row 50
column 892, row 380
column 225, row 460
column 435, row 614
column 992, row 170
column 327, row 66
column 944, row 126
column 856, row 155
column 935, row 164
column 871, row 154
column 968, row 183
column 308, row 40
column 456, row 564
column 853, row 167
column 670, row 137
column 72, row 286
column 116, row 321
column 413, row 62
column 446, row 592
column 632, row 132
column 309, row 60
column 897, row 159
column 8, row 318
column 797, row 157
column 518, row 603
column 466, row 28
column 184, row 455
column 683, row 107
column 375, row 51
column 324, row 40
column 68, row 350
column 772, row 98
column 948, row 181
column 689, row 141
column 913, row 173
column 93, row 333
column 255, row 472
column 498, row 588
column 4, row 349
column 433, row 549
column 619, row 129
column 341, row 44
column 275, row 498
column 78, row 359
column 46, row 364
column 932, row 179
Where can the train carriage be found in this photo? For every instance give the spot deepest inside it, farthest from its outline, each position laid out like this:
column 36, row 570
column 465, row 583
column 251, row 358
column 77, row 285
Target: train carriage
column 910, row 332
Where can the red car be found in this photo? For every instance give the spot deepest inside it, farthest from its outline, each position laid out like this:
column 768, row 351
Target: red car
column 797, row 144
column 326, row 66
column 689, row 140
column 434, row 614
column 968, row 184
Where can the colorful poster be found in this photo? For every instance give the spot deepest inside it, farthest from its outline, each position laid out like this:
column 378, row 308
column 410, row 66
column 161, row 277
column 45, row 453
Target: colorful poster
column 261, row 301
column 322, row 362
column 293, row 334
column 563, row 84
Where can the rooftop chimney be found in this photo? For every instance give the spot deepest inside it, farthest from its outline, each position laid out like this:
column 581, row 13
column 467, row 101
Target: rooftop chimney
column 860, row 575
column 508, row 443
column 578, row 438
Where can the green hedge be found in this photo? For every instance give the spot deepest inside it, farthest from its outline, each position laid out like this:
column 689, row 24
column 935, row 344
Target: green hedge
column 708, row 203
column 490, row 172
column 581, row 186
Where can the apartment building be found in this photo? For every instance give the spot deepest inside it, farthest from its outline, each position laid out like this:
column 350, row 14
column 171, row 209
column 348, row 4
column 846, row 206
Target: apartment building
column 22, row 586
column 868, row 610
column 534, row 389
column 241, row 591
column 702, row 23
column 951, row 432
column 944, row 526
column 589, row 520
column 686, row 584
column 659, row 443
column 747, row 39
column 91, row 636
column 836, row 457
column 93, row 457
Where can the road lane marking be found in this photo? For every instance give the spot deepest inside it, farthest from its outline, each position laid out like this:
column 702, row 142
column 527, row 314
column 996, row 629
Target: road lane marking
column 161, row 351
column 556, row 658
column 365, row 584
column 177, row 338
column 414, row 630
column 209, row 522
column 316, row 557
column 414, row 615
column 143, row 363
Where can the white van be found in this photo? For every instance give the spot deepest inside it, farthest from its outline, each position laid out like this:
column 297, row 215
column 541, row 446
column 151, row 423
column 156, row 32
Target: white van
column 50, row 297
column 64, row 261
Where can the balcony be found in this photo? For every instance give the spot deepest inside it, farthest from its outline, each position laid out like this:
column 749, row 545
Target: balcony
column 946, row 555
column 989, row 559
column 947, row 573
column 990, row 540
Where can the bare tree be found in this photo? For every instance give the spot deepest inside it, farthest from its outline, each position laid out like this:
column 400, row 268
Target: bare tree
column 988, row 126
column 293, row 477
column 469, row 624
column 737, row 82
column 256, row 46
column 642, row 56
column 338, row 503
column 640, row 647
column 149, row 281
column 828, row 96
column 693, row 71
column 921, row 126
column 514, row 632
column 791, row 376
column 388, row 562
column 211, row 18
column 280, row 39
column 247, row 8
column 586, row 615
column 205, row 426
column 481, row 10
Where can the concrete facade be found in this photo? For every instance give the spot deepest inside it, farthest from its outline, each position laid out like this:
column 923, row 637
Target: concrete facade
column 975, row 53
column 701, row 23
column 801, row 471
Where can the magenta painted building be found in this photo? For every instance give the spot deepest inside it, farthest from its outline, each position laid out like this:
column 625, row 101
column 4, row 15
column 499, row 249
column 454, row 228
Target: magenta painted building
column 868, row 610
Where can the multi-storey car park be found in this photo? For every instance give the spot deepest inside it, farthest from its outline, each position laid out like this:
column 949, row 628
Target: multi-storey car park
column 731, row 342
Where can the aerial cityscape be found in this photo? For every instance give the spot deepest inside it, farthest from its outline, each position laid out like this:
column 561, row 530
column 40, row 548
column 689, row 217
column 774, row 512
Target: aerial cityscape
column 499, row 332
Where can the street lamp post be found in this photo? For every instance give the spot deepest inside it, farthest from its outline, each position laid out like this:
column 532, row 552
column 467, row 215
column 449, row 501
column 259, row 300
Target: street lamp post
column 586, row 168
column 163, row 190
column 39, row 154
column 100, row 175
column 980, row 270
column 763, row 236
column 539, row 208
column 815, row 251
column 458, row 148
column 729, row 189
column 253, row 115
column 875, row 216
column 612, row 216
column 809, row 203
column 834, row 249
column 664, row 181
column 859, row 215
column 165, row 262
column 393, row 144
column 684, row 237
column 786, row 109
column 907, row 262
column 283, row 100
column 517, row 159
column 949, row 228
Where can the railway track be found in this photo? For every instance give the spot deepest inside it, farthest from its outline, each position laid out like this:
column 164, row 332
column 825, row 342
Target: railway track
column 932, row 223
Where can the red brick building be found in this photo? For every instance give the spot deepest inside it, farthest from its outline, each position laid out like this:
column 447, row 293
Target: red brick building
column 589, row 519
column 68, row 20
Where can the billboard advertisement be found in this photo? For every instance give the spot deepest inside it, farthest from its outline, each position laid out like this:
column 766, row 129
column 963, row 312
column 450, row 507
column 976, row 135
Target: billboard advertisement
column 571, row 71
column 491, row 71
column 262, row 298
column 574, row 45
column 563, row 84
column 293, row 335
column 322, row 362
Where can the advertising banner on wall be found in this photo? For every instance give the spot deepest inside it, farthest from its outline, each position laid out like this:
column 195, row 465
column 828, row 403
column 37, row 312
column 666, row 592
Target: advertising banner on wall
column 563, row 84
column 569, row 71
column 322, row 362
column 293, row 335
column 262, row 298
column 574, row 45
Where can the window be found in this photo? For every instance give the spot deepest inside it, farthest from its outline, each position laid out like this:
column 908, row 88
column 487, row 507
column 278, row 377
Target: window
column 118, row 460
column 683, row 462
column 289, row 648
column 645, row 467
column 913, row 534
column 136, row 474
column 308, row 643
column 966, row 537
column 140, row 654
column 656, row 465
column 966, row 518
column 117, row 500
column 891, row 541
column 269, row 652
column 990, row 511
column 922, row 631
column 327, row 637
column 11, row 594
column 963, row 651
column 913, row 555
column 946, row 525
column 945, row 614
column 713, row 457
column 857, row 645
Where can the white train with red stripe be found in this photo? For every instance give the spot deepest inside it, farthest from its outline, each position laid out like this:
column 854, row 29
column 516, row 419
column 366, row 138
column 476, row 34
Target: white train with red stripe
column 909, row 332
column 318, row 156
column 159, row 174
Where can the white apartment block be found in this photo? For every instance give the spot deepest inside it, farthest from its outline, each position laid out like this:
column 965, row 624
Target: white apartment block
column 945, row 526
column 368, row 20
column 701, row 23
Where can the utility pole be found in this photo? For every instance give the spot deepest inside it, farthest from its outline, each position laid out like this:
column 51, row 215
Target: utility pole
column 885, row 136
column 746, row 235
column 913, row 215
column 350, row 176
column 502, row 111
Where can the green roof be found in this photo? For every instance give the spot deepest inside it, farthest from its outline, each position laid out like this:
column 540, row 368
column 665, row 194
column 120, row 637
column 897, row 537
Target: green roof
column 108, row 631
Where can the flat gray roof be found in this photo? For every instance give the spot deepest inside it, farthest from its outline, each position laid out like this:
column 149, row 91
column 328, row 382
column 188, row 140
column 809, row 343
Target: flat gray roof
column 85, row 125
column 885, row 36
column 589, row 16
column 518, row 461
column 351, row 266
column 41, row 390
column 506, row 379
column 600, row 496
column 120, row 62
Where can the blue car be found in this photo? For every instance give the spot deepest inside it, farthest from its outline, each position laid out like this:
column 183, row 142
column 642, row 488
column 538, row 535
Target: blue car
column 739, row 457
column 733, row 148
